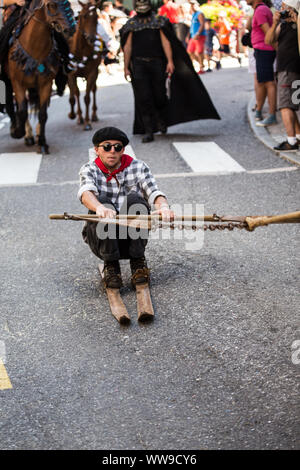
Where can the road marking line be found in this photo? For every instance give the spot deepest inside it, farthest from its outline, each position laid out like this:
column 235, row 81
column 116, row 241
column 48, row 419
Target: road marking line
column 1, row 125
column 207, row 158
column 19, row 168
column 249, row 172
column 5, row 120
column 157, row 176
column 273, row 170
column 5, row 383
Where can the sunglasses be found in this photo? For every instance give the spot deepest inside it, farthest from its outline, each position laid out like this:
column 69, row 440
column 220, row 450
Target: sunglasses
column 107, row 147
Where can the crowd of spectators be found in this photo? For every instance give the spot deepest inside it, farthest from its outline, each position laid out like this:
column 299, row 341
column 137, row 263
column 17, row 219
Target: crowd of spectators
column 272, row 50
column 207, row 45
column 275, row 63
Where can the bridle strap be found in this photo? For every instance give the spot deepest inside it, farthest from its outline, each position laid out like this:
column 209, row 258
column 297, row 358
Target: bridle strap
column 31, row 14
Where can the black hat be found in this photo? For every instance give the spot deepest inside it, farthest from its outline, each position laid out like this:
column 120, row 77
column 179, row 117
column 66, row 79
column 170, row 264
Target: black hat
column 110, row 133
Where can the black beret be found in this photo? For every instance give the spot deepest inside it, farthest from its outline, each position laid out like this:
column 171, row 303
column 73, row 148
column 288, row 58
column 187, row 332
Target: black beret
column 110, row 133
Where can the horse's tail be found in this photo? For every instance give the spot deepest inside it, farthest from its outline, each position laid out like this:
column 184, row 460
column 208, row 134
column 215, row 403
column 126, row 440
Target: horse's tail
column 34, row 100
column 63, row 50
column 61, row 80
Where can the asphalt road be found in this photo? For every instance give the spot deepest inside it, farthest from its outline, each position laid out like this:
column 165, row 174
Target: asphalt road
column 214, row 370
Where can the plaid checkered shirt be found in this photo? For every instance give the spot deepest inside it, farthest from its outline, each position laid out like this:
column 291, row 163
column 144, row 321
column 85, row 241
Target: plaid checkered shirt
column 136, row 177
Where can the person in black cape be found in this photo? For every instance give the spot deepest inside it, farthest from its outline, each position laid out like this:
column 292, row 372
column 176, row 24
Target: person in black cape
column 150, row 49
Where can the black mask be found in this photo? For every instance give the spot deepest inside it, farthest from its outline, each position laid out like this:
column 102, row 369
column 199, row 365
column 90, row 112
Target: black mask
column 142, row 6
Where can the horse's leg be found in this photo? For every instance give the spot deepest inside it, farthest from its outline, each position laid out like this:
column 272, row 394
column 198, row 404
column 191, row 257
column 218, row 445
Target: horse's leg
column 90, row 82
column 94, row 114
column 10, row 107
column 87, row 122
column 42, row 144
column 37, row 131
column 29, row 140
column 22, row 113
column 44, row 93
column 77, row 94
column 71, row 80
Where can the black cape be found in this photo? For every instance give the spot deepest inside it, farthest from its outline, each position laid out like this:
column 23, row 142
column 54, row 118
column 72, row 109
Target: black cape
column 189, row 98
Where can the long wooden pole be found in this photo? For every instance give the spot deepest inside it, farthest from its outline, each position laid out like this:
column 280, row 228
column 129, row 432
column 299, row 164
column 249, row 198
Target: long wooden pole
column 184, row 218
column 259, row 221
column 251, row 222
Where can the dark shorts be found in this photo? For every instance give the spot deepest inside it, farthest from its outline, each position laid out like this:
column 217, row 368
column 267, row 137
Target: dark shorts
column 287, row 95
column 224, row 48
column 264, row 65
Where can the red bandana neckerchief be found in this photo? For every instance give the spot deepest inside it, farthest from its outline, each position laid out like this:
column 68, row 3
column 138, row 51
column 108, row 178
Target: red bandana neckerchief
column 125, row 162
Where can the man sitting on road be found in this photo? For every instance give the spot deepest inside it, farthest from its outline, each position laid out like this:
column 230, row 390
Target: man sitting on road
column 112, row 184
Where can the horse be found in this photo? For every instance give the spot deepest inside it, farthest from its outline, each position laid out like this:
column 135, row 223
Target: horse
column 85, row 56
column 33, row 62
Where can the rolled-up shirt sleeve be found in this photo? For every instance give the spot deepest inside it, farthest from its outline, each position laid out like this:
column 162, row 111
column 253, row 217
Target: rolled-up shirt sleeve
column 149, row 185
column 87, row 181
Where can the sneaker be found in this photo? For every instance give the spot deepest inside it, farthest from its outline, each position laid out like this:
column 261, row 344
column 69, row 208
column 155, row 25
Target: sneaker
column 139, row 270
column 258, row 116
column 286, row 147
column 201, row 72
column 268, row 121
column 112, row 275
column 208, row 70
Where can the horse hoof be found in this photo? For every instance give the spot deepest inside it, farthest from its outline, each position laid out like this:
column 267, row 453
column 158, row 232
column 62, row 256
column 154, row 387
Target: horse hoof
column 72, row 115
column 95, row 119
column 29, row 141
column 17, row 133
column 80, row 121
column 43, row 149
column 87, row 127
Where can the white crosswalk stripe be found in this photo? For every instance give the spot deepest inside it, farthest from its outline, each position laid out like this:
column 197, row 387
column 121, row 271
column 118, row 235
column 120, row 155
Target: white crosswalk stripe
column 204, row 159
column 207, row 158
column 19, row 168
